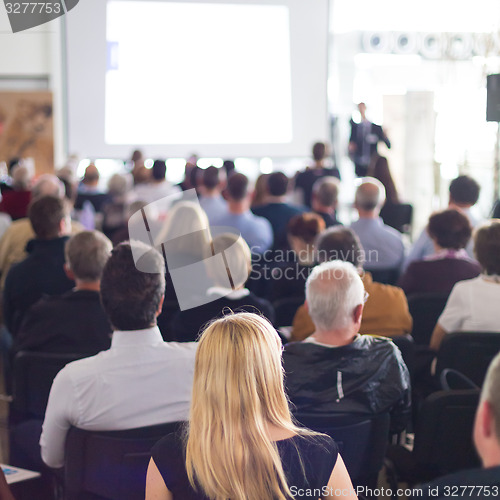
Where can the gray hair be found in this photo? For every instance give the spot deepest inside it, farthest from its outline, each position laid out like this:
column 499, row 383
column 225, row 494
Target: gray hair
column 326, row 191
column 21, row 177
column 119, row 185
column 48, row 185
column 86, row 255
column 333, row 290
column 370, row 194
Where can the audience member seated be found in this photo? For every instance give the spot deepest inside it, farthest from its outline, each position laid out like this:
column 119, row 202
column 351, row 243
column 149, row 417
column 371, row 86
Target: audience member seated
column 15, row 201
column 336, row 370
column 325, row 199
column 276, row 209
column 42, row 271
column 464, row 193
column 259, row 195
column 74, row 322
column 473, row 304
column 241, row 441
column 289, row 278
column 382, row 244
column 386, row 310
column 114, row 212
column 15, row 239
column 450, row 231
column 187, row 324
column 88, row 190
column 478, row 483
column 256, row 231
column 121, row 233
column 212, row 182
column 379, row 169
column 304, row 181
column 141, row 380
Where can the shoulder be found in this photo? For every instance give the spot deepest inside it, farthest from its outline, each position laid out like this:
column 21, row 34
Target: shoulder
column 317, row 444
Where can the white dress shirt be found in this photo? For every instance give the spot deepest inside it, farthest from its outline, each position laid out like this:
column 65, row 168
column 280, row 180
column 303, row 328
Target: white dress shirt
column 140, row 381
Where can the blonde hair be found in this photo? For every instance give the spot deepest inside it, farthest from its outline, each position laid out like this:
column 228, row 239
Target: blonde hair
column 238, row 391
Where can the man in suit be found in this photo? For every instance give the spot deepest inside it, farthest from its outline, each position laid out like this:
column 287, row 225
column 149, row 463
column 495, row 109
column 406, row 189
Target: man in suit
column 363, row 142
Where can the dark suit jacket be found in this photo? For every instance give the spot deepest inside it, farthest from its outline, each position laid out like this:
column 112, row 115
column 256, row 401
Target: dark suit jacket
column 373, row 137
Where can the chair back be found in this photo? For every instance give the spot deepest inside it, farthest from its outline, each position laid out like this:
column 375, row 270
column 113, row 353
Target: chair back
column 398, row 215
column 469, row 353
column 387, row 276
column 425, row 309
column 110, row 465
column 443, row 434
column 33, row 374
column 362, row 441
column 285, row 310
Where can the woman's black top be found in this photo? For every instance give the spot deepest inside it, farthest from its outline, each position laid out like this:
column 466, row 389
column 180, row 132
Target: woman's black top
column 307, row 461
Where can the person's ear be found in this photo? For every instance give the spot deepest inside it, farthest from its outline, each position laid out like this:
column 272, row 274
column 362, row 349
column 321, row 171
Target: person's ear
column 69, row 273
column 358, row 313
column 160, row 306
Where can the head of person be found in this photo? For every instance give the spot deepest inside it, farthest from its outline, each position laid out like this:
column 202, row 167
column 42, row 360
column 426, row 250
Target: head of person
column 212, row 178
column 21, row 178
column 141, row 175
column 325, row 194
column 237, row 189
column 335, row 298
column 487, row 247
column 159, row 170
column 340, row 243
column 319, row 152
column 49, row 217
column 136, row 156
column 238, row 260
column 132, row 299
column 487, row 422
column 229, row 167
column 261, row 191
column 369, row 197
column 362, row 109
column 379, row 167
column 119, row 185
column 48, row 185
column 277, row 184
column 302, row 231
column 86, row 254
column 238, row 392
column 91, row 176
column 449, row 229
column 464, row 191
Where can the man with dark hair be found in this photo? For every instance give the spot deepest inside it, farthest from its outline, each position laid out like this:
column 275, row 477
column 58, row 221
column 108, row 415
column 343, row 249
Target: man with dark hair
column 74, row 322
column 464, row 194
column 304, row 181
column 256, row 231
column 42, row 271
column 386, row 310
column 212, row 182
column 325, row 199
column 276, row 209
column 141, row 380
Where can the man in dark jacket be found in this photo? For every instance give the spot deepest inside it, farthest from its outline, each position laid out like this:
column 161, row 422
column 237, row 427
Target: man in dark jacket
column 336, row 370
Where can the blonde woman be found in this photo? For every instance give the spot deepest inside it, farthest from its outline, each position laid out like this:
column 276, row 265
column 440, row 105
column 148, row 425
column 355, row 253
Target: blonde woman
column 241, row 443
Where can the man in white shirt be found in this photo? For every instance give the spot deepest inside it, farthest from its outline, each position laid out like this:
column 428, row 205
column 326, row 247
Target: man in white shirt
column 141, row 380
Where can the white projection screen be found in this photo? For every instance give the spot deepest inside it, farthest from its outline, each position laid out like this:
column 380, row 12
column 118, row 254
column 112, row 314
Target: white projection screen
column 236, row 78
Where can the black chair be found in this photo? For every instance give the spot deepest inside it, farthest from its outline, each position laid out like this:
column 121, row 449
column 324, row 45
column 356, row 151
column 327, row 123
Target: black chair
column 406, row 345
column 398, row 215
column 425, row 309
column 285, row 310
column 110, row 465
column 362, row 441
column 33, row 374
column 387, row 276
column 469, row 353
column 443, row 440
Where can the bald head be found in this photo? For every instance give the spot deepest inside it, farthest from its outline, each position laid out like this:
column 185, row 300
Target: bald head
column 47, row 185
column 370, row 196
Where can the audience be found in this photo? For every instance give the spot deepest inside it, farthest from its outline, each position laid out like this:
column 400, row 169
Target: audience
column 114, row 212
column 325, row 198
column 260, row 193
column 89, row 192
column 141, row 380
column 464, row 193
column 304, row 181
column 256, row 231
column 450, row 232
column 276, row 209
column 241, row 442
column 336, row 370
column 379, row 169
column 75, row 321
column 289, row 278
column 386, row 309
column 478, row 483
column 187, row 324
column 15, row 201
column 42, row 271
column 213, row 181
column 472, row 305
column 382, row 244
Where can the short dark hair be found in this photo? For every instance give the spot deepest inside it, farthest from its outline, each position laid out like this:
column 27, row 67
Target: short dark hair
column 237, row 186
column 277, row 184
column 130, row 297
column 450, row 228
column 159, row 170
column 211, row 177
column 319, row 151
column 464, row 190
column 45, row 214
column 306, row 226
column 340, row 243
column 487, row 246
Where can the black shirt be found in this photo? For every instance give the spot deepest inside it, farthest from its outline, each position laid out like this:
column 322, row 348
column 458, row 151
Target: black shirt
column 305, row 180
column 318, row 454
